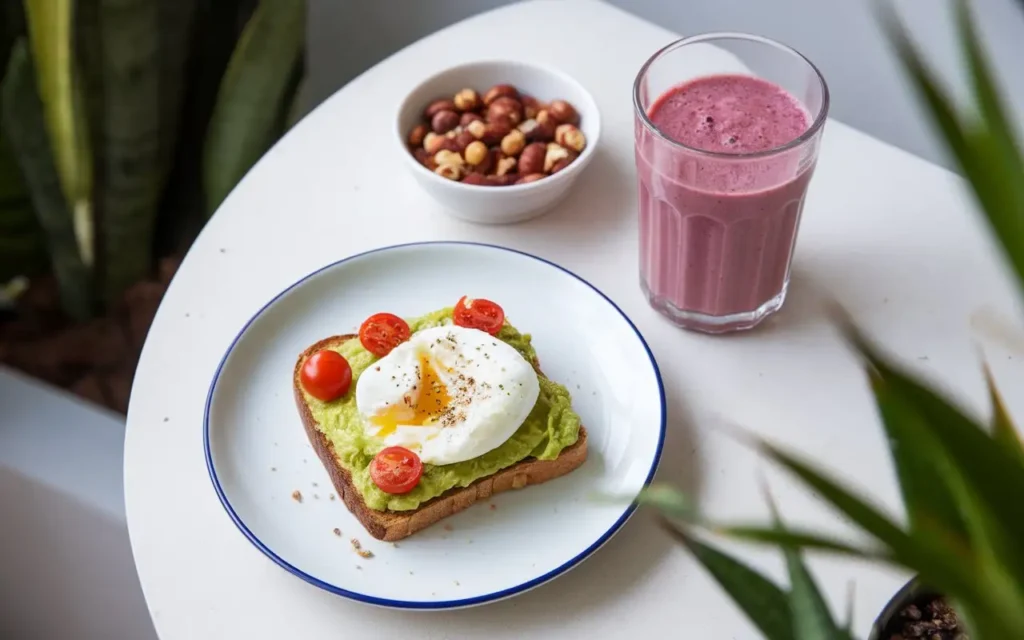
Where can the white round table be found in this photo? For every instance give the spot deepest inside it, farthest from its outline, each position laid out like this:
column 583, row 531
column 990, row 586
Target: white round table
column 890, row 236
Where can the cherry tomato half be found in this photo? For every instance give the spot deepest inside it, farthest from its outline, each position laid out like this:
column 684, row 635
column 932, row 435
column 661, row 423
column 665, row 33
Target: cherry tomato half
column 477, row 313
column 326, row 375
column 382, row 332
column 396, row 470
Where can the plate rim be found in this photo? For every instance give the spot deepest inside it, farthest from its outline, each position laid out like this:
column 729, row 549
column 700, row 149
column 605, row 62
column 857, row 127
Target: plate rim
column 440, row 604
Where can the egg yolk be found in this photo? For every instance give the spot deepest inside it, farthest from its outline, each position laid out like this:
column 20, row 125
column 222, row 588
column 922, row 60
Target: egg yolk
column 431, row 401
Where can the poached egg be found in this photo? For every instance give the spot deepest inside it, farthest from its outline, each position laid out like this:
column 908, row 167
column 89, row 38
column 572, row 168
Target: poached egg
column 448, row 393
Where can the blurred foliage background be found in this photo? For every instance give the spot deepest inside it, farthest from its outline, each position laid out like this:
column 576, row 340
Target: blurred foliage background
column 125, row 123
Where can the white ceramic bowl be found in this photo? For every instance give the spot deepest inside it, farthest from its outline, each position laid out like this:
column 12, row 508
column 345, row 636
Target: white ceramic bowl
column 499, row 205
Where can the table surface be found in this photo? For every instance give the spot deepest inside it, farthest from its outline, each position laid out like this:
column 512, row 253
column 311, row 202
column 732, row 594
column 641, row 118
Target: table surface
column 891, row 237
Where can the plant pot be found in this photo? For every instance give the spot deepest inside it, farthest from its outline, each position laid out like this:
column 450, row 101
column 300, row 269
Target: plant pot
column 914, row 592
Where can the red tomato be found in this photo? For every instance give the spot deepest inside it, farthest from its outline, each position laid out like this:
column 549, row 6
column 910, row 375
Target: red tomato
column 326, row 375
column 477, row 313
column 396, row 470
column 382, row 332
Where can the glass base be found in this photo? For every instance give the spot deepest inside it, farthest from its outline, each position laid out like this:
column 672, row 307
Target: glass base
column 696, row 321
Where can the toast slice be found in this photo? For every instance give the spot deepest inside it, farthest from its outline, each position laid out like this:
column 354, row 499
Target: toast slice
column 395, row 525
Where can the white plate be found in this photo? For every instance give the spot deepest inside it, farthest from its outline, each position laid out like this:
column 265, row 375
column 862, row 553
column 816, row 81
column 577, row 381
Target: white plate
column 258, row 453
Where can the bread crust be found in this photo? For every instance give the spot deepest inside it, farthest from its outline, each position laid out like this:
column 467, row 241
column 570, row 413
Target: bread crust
column 396, row 525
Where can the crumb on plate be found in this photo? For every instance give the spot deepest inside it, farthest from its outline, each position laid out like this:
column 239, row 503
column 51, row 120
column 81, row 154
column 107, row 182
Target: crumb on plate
column 337, row 532
column 297, row 496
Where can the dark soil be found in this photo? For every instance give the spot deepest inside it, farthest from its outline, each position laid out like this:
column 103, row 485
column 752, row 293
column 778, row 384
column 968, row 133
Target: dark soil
column 95, row 360
column 928, row 617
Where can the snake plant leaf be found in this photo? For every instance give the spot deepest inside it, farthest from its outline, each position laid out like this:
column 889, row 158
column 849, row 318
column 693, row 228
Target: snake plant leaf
column 121, row 47
column 51, row 39
column 253, row 94
column 22, row 251
column 1003, row 430
column 765, row 604
column 25, row 130
column 812, row 619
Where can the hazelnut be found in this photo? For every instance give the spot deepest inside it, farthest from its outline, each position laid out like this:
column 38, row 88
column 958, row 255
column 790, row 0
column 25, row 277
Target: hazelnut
column 490, row 162
column 477, row 128
column 438, row 105
column 531, row 106
column 444, row 156
column 552, row 154
column 450, row 171
column 475, row 152
column 444, row 121
column 450, row 144
column 544, row 117
column 498, row 91
column 478, row 179
column 570, row 137
column 464, row 139
column 469, row 116
column 505, row 107
column 505, row 180
column 495, row 132
column 506, row 166
column 531, row 160
column 424, row 158
column 417, row 135
column 432, row 142
column 532, row 177
column 537, row 132
column 513, row 143
column 466, row 100
column 561, row 164
column 564, row 112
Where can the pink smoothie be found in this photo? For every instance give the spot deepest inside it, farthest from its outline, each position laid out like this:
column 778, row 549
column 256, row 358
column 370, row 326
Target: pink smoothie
column 717, row 231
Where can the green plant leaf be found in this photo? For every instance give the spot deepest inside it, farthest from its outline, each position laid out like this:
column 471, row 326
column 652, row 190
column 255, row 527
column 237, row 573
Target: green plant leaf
column 1003, row 430
column 938, row 555
column 120, row 43
column 991, row 475
column 253, row 94
column 49, row 25
column 25, row 131
column 984, row 152
column 811, row 617
column 670, row 501
column 764, row 603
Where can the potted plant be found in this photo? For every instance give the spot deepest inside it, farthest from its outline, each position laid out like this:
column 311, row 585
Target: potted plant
column 961, row 480
column 123, row 125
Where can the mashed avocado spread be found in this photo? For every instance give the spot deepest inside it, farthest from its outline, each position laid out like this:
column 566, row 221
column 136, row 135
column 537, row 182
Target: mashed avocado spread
column 551, row 426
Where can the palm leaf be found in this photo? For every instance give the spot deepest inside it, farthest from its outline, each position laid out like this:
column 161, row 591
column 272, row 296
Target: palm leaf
column 255, row 91
column 764, row 603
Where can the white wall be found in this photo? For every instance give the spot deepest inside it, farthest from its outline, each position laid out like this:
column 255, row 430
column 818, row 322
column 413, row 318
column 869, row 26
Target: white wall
column 840, row 36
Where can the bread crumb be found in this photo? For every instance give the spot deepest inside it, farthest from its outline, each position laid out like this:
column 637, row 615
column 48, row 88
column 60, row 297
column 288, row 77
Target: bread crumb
column 493, row 506
column 337, row 532
column 316, row 496
column 359, row 567
column 332, row 496
column 448, row 527
column 303, row 461
column 297, row 496
column 315, row 484
column 167, row 419
column 273, row 468
column 394, row 544
column 456, row 583
column 410, row 573
column 358, row 547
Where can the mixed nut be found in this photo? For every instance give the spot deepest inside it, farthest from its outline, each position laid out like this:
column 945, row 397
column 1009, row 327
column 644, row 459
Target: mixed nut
column 501, row 138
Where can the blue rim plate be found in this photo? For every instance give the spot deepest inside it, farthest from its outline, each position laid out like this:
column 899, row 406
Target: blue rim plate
column 257, row 452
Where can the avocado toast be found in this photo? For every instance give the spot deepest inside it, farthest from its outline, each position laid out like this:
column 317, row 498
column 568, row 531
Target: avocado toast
column 549, row 442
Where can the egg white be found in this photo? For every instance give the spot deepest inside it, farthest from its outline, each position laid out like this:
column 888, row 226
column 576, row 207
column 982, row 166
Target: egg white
column 492, row 389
